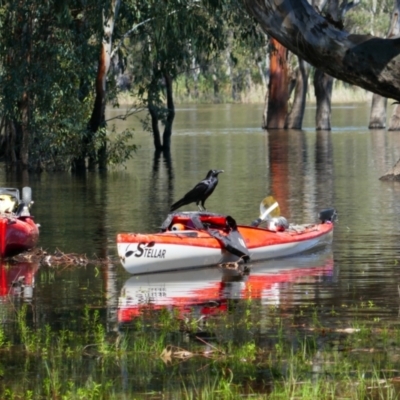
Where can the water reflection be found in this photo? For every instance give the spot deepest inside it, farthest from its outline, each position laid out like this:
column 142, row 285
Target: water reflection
column 17, row 281
column 159, row 180
column 208, row 291
column 301, row 172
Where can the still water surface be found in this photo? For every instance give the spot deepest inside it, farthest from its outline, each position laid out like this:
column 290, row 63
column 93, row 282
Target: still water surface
column 305, row 170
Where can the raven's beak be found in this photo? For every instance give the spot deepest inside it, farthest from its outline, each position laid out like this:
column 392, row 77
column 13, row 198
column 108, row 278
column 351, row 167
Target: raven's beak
column 219, row 171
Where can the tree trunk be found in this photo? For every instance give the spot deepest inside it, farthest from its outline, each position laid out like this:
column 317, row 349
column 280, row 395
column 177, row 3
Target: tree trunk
column 377, row 117
column 171, row 114
column 379, row 103
column 295, row 118
column 323, row 82
column 265, row 109
column 97, row 119
column 24, row 126
column 367, row 61
column 278, row 87
column 394, row 123
column 154, row 126
column 393, row 174
column 323, row 92
column 216, row 85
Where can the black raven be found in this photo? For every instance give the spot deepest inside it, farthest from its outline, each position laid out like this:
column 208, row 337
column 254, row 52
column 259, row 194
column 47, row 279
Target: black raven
column 201, row 192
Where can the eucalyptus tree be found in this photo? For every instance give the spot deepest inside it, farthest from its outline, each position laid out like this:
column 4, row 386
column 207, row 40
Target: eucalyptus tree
column 175, row 37
column 46, row 53
column 363, row 60
column 54, row 59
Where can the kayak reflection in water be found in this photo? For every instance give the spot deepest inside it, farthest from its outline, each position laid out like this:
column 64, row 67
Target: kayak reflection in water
column 206, row 291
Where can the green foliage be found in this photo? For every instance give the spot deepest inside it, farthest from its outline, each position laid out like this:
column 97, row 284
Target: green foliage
column 198, row 42
column 371, row 17
column 211, row 49
column 47, row 67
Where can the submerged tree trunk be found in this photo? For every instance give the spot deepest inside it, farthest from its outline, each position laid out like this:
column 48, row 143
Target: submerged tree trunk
column 278, row 87
column 323, row 92
column 165, row 145
column 394, row 123
column 153, row 110
column 171, row 114
column 295, row 117
column 323, row 83
column 379, row 103
column 23, row 128
column 97, row 119
column 377, row 117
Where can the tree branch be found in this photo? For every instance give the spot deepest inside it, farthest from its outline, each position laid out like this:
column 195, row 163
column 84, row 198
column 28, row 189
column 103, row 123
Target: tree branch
column 363, row 60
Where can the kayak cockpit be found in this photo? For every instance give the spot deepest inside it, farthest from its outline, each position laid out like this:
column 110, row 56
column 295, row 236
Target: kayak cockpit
column 12, row 204
column 221, row 227
column 183, row 221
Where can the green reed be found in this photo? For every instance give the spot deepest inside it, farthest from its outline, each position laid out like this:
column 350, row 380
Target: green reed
column 305, row 354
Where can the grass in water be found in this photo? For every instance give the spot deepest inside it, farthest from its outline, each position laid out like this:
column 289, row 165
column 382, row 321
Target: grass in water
column 254, row 352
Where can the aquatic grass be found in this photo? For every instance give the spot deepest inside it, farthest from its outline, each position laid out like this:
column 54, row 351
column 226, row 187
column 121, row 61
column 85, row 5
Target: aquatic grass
column 296, row 356
column 4, row 343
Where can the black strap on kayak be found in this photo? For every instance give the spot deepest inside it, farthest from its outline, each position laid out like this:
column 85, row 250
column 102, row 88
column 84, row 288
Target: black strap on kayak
column 233, row 241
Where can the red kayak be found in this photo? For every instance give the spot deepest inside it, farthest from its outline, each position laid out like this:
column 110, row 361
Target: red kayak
column 201, row 239
column 18, row 230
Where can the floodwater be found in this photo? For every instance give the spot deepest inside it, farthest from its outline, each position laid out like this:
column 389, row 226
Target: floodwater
column 305, row 171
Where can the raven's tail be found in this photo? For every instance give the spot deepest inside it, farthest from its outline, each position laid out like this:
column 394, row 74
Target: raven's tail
column 176, row 205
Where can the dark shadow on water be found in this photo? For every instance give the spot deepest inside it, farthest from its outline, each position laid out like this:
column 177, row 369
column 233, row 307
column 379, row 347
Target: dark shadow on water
column 161, row 189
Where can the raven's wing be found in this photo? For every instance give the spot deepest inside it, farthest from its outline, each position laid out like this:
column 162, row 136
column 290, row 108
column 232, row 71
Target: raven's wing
column 193, row 196
column 197, row 193
column 211, row 185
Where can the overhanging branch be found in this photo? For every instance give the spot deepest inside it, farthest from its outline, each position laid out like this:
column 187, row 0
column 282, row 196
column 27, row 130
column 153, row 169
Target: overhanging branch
column 363, row 60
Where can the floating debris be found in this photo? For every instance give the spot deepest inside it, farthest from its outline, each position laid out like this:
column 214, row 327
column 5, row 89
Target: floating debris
column 58, row 258
column 236, row 267
column 173, row 353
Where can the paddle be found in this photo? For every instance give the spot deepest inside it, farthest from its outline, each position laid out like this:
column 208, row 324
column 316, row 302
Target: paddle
column 269, row 207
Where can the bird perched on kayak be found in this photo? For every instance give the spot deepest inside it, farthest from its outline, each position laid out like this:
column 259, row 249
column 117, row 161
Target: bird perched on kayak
column 201, row 192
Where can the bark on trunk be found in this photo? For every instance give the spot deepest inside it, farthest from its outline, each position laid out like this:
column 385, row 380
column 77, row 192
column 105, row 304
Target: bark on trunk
column 171, row 114
column 295, row 117
column 367, row 61
column 278, row 87
column 323, row 82
column 265, row 110
column 393, row 174
column 377, row 118
column 24, row 151
column 394, row 123
column 97, row 119
column 323, row 92
column 379, row 103
column 154, row 126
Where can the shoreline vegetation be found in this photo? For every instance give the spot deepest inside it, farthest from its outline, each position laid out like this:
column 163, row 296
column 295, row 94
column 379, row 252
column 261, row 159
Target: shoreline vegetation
column 341, row 93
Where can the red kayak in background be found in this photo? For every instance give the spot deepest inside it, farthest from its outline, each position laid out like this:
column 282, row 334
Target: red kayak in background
column 18, row 230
